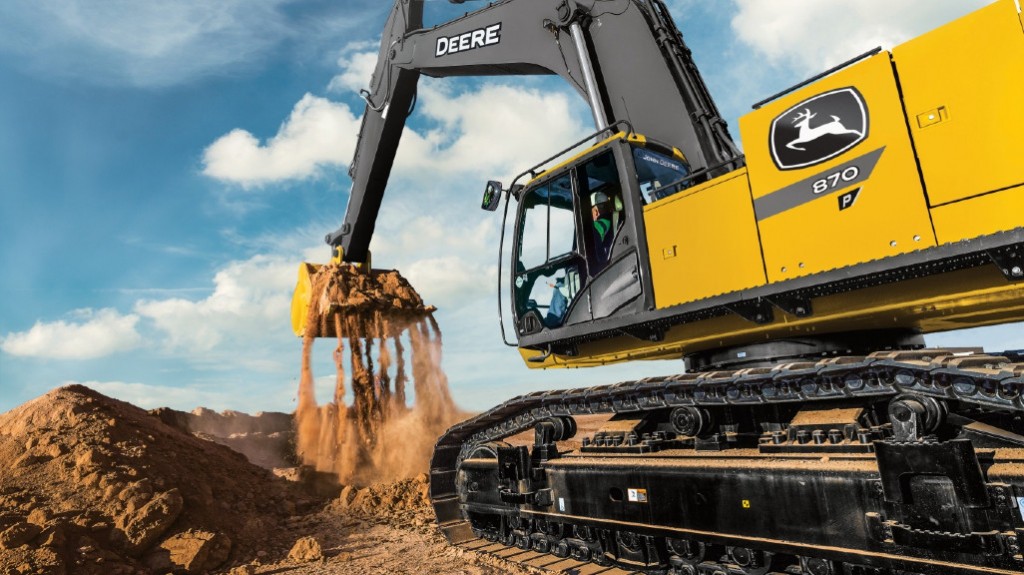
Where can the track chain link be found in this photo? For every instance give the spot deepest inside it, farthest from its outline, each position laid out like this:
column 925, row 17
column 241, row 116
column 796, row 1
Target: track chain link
column 987, row 381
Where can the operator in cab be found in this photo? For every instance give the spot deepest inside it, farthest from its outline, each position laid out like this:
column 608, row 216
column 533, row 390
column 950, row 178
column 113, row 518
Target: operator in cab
column 603, row 236
column 603, row 233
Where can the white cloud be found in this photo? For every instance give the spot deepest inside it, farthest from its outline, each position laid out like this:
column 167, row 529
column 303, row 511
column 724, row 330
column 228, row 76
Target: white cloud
column 357, row 62
column 251, row 298
column 815, row 35
column 318, row 133
column 141, row 42
column 91, row 334
column 495, row 130
column 447, row 280
column 153, row 396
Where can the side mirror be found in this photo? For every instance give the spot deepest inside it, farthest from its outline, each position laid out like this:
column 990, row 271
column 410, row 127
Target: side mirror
column 492, row 196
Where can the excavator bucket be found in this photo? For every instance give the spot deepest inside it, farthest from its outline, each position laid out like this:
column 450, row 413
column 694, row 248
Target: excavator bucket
column 339, row 299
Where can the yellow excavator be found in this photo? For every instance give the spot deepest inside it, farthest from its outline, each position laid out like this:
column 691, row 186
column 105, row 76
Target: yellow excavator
column 812, row 432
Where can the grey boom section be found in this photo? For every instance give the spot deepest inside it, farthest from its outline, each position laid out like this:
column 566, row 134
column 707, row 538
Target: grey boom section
column 641, row 69
column 388, row 102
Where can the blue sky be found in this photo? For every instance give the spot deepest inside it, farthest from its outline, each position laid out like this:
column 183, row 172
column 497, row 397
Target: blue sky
column 164, row 167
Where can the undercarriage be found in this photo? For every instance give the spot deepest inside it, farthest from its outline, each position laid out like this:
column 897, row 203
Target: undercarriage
column 901, row 462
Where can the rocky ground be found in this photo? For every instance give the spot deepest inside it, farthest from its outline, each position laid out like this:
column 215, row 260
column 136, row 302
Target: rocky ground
column 91, row 485
column 383, row 529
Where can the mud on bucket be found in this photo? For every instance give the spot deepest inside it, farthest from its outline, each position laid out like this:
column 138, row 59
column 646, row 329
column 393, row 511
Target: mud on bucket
column 356, row 301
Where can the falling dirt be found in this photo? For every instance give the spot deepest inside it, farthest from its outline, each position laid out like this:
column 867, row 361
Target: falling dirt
column 377, row 318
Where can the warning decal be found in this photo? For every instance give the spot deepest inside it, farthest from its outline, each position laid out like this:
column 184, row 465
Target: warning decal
column 637, row 495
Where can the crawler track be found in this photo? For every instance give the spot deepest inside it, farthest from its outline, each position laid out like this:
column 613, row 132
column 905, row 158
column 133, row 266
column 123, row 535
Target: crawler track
column 973, row 384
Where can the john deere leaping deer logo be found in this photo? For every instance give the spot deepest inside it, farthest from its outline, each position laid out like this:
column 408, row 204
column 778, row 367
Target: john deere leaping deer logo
column 819, row 128
column 809, row 134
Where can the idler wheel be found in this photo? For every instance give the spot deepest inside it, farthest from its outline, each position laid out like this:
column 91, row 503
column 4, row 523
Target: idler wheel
column 751, row 561
column 541, row 545
column 581, row 553
column 816, row 566
column 690, row 421
column 628, row 540
column 913, row 416
column 584, row 532
column 561, row 549
column 690, row 552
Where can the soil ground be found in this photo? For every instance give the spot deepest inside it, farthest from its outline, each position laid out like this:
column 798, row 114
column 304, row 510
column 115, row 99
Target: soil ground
column 358, row 544
column 93, row 486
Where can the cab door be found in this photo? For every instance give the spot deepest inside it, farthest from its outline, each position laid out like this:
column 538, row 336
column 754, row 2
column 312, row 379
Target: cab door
column 608, row 201
column 550, row 268
column 577, row 257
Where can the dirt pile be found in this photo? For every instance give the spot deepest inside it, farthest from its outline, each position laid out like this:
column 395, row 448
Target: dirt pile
column 385, row 499
column 266, row 439
column 389, row 430
column 92, row 485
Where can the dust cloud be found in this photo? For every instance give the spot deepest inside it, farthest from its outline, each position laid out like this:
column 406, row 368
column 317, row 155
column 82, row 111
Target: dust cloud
column 377, row 318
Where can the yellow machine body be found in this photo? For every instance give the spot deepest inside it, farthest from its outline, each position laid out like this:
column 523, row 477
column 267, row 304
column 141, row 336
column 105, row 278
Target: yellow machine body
column 889, row 215
column 682, row 228
column 938, row 161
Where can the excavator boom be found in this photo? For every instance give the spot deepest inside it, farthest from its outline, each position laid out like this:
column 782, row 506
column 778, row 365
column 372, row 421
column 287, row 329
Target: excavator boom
column 580, row 41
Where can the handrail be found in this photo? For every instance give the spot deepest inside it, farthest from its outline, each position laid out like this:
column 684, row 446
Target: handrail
column 793, row 88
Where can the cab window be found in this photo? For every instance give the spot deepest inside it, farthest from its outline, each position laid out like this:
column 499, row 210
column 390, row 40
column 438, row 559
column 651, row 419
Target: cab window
column 603, row 210
column 547, row 273
column 659, row 175
column 548, row 226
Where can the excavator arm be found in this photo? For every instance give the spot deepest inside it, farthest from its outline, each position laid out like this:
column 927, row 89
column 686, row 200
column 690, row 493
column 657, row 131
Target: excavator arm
column 626, row 58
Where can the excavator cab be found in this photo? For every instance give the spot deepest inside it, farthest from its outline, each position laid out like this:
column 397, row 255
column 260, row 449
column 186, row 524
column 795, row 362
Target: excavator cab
column 578, row 234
